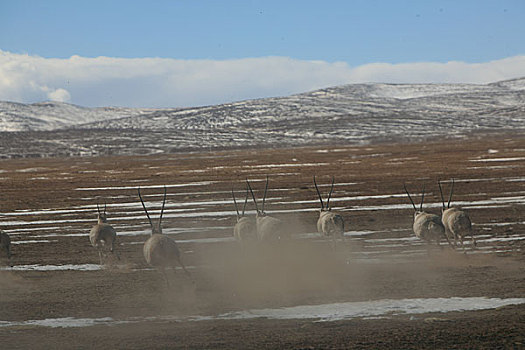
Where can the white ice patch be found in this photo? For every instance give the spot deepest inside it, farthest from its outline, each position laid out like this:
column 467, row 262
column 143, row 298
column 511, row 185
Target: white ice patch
column 319, row 313
column 34, row 241
column 342, row 311
column 200, row 183
column 65, row 322
column 286, row 165
column 207, row 240
column 67, row 267
column 497, row 159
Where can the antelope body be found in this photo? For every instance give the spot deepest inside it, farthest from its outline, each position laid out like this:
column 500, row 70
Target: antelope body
column 268, row 228
column 456, row 221
column 427, row 226
column 329, row 224
column 159, row 250
column 245, row 229
column 5, row 245
column 103, row 236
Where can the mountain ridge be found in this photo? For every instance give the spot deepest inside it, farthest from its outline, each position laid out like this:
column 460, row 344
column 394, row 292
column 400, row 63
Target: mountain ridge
column 48, row 115
column 349, row 114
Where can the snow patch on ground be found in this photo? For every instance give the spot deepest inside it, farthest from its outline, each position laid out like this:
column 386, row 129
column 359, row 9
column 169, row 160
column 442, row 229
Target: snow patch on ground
column 320, row 313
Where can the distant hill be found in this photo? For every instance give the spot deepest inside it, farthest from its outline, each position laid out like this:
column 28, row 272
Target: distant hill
column 356, row 113
column 55, row 115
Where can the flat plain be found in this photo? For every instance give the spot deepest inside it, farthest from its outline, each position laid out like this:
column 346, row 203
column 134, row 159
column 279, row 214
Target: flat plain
column 57, row 296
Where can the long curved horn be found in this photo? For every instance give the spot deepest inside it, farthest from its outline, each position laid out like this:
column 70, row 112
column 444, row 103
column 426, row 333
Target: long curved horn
column 422, row 198
column 450, row 196
column 98, row 209
column 163, row 203
column 253, row 196
column 330, row 194
column 144, row 206
column 318, row 194
column 408, row 194
column 105, row 207
column 245, row 201
column 265, row 191
column 235, row 203
column 441, row 192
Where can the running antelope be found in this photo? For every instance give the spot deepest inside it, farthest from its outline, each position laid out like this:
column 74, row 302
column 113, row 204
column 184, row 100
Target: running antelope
column 456, row 221
column 329, row 224
column 160, row 251
column 268, row 228
column 245, row 229
column 427, row 227
column 103, row 236
column 5, row 244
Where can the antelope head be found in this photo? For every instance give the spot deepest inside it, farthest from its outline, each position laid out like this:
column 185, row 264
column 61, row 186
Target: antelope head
column 155, row 229
column 323, row 208
column 416, row 212
column 101, row 217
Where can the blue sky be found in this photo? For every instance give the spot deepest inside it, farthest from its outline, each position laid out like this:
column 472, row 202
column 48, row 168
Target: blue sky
column 356, row 32
column 350, row 33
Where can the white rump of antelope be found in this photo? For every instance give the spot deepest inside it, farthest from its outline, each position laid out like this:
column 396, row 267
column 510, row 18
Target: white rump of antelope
column 103, row 236
column 161, row 251
column 269, row 229
column 427, row 226
column 329, row 224
column 457, row 222
column 245, row 229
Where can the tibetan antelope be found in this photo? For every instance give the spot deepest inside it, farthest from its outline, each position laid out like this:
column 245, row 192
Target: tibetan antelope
column 160, row 251
column 5, row 245
column 268, row 228
column 456, row 221
column 329, row 224
column 245, row 229
column 103, row 236
column 427, row 226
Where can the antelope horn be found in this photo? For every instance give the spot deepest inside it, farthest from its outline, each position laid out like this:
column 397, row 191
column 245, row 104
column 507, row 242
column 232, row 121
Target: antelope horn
column 318, row 194
column 330, row 194
column 98, row 209
column 144, row 206
column 450, row 196
column 441, row 192
column 265, row 191
column 235, row 203
column 163, row 203
column 105, row 207
column 408, row 194
column 245, row 202
column 422, row 198
column 253, row 196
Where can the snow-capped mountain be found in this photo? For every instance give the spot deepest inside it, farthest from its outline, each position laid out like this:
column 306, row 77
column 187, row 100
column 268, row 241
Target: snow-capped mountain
column 357, row 113
column 55, row 115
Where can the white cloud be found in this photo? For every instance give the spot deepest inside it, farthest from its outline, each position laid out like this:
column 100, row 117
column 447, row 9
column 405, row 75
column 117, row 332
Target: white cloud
column 60, row 95
column 160, row 82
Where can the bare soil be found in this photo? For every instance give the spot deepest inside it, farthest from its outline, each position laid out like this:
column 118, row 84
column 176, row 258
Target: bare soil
column 297, row 272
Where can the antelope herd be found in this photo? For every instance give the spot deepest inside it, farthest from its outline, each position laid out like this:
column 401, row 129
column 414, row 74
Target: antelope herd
column 161, row 251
